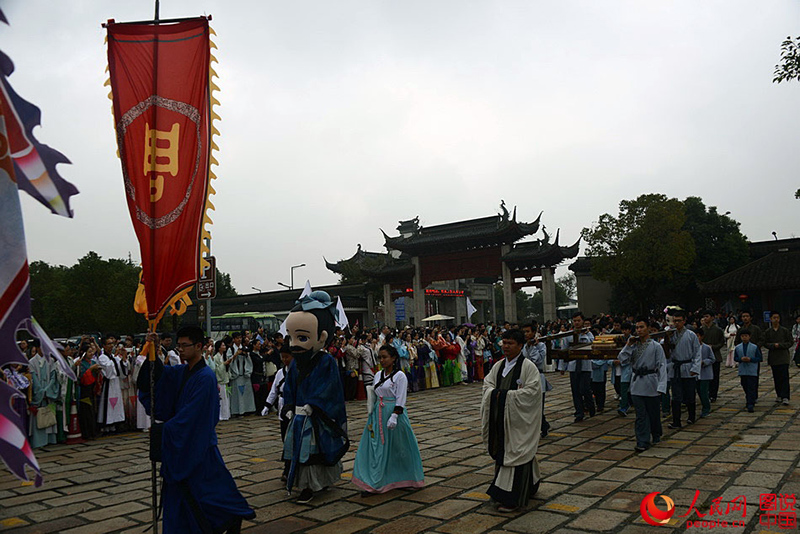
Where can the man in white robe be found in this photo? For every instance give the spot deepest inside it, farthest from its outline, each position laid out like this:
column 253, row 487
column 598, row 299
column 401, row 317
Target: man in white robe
column 111, row 409
column 511, row 419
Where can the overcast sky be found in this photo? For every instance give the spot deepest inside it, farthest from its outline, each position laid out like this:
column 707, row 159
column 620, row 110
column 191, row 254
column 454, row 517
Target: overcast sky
column 340, row 118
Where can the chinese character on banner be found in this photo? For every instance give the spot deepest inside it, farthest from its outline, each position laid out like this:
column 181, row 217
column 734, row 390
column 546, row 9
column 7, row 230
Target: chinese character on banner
column 160, row 77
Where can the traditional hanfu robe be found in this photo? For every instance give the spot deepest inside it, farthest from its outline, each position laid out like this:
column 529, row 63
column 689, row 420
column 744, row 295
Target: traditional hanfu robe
column 649, row 380
column 111, row 407
column 242, row 398
column 463, row 356
column 316, row 441
column 511, row 420
column 198, row 488
column 388, row 458
column 684, row 368
column 87, row 399
column 142, row 419
column 223, row 377
column 45, row 391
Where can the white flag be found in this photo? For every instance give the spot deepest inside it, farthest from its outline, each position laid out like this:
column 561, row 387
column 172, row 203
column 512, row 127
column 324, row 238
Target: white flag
column 470, row 308
column 306, row 290
column 341, row 320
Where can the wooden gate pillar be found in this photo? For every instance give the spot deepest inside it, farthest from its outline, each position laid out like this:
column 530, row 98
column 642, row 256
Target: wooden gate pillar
column 388, row 307
column 509, row 297
column 549, row 293
column 419, row 293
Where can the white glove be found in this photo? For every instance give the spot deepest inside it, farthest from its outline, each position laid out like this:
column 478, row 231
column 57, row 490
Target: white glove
column 392, row 422
column 265, row 411
column 289, row 415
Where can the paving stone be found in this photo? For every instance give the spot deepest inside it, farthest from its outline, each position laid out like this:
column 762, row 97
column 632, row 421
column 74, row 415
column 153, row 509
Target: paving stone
column 407, row 525
column 569, row 476
column 431, row 494
column 49, row 527
column 599, row 520
column 536, row 522
column 102, row 527
column 449, row 508
column 621, row 474
column 599, row 488
column 471, row 524
column 390, row 510
column 331, row 511
column 285, row 525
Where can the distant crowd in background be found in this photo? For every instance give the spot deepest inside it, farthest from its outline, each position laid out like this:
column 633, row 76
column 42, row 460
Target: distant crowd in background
column 249, row 367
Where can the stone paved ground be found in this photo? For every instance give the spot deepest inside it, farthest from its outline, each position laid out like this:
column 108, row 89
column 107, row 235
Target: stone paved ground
column 592, row 482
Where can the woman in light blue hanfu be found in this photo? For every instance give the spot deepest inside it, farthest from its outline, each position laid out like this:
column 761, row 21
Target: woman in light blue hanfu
column 388, row 454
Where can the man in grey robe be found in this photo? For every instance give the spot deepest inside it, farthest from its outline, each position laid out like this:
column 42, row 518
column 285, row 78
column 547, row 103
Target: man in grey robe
column 648, row 381
column 684, row 368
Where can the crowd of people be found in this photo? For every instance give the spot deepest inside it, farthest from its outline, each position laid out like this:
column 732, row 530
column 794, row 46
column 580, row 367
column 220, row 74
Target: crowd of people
column 665, row 363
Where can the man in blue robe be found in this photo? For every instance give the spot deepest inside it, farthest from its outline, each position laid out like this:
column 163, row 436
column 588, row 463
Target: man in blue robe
column 316, row 438
column 199, row 494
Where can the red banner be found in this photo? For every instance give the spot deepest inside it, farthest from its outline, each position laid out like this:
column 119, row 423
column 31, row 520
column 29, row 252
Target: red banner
column 160, row 87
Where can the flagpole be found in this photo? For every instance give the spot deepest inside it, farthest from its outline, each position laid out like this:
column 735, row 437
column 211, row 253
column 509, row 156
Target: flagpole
column 152, row 355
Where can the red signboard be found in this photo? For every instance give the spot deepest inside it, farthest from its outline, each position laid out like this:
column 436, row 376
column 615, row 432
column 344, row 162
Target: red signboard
column 465, row 264
column 439, row 292
column 160, row 86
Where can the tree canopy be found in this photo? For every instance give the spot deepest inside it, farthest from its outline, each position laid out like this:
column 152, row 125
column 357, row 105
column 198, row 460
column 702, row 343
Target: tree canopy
column 94, row 295
column 657, row 249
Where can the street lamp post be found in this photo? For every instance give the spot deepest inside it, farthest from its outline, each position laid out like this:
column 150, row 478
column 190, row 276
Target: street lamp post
column 291, row 273
column 254, row 287
column 284, row 285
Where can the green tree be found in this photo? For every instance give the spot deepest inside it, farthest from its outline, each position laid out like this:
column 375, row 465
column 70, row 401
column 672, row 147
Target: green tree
column 224, row 285
column 720, row 245
column 642, row 248
column 789, row 66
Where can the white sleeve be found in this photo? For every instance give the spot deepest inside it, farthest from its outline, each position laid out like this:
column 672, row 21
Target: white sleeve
column 107, row 366
column 273, row 392
column 400, row 389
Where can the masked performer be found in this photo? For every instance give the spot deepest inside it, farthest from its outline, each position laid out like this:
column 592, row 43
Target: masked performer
column 316, row 438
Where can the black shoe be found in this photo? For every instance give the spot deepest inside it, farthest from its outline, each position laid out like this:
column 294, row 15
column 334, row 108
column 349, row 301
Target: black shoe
column 750, row 409
column 283, row 478
column 690, row 421
column 544, row 434
column 578, row 419
column 365, row 494
column 673, row 426
column 712, row 399
column 639, row 448
column 305, row 496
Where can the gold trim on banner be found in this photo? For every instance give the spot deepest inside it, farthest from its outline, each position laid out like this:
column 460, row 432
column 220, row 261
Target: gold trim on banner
column 205, row 236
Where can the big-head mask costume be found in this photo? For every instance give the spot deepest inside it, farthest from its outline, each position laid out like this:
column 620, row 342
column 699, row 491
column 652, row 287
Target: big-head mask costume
column 310, row 324
column 313, row 395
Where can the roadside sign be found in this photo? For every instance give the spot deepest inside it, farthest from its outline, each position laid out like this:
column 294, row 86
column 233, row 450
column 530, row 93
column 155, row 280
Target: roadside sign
column 207, row 284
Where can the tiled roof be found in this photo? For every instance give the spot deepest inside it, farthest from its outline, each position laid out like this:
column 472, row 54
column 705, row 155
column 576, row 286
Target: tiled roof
column 775, row 271
column 537, row 254
column 474, row 233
